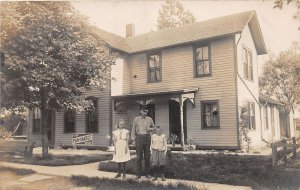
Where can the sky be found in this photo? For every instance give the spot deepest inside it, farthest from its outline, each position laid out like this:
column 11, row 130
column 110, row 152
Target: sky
column 278, row 26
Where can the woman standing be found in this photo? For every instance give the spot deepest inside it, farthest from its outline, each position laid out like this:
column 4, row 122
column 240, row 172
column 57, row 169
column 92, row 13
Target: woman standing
column 121, row 152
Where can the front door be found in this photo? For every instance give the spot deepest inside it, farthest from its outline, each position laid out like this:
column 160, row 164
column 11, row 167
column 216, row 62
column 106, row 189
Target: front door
column 174, row 120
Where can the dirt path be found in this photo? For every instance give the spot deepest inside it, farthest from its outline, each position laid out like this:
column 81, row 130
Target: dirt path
column 90, row 170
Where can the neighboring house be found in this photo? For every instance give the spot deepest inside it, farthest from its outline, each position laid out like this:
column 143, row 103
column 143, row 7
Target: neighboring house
column 194, row 79
column 275, row 123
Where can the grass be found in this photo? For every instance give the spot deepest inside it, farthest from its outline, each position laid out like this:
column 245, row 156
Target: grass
column 115, row 184
column 295, row 164
column 254, row 171
column 17, row 171
column 60, row 160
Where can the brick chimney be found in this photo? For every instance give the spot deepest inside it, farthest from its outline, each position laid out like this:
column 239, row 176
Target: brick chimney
column 130, row 30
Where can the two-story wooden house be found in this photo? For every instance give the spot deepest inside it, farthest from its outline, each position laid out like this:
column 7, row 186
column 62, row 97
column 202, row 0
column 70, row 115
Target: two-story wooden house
column 194, row 80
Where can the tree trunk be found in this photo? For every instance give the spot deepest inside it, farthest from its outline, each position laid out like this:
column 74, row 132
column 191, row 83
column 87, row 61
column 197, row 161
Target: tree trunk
column 44, row 119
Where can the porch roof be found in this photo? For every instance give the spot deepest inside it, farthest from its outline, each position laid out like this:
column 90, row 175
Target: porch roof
column 267, row 99
column 180, row 91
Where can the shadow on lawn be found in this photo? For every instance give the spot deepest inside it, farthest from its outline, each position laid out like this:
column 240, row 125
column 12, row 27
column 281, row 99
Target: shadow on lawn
column 17, row 171
column 254, row 171
column 59, row 160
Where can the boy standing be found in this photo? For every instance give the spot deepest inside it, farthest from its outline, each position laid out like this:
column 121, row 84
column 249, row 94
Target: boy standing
column 159, row 151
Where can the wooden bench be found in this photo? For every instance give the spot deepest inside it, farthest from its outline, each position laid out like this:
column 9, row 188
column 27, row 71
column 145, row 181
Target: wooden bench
column 16, row 148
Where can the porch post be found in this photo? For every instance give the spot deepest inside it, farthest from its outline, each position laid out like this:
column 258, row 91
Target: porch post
column 181, row 120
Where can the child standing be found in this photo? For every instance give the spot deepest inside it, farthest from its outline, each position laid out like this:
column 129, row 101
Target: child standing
column 121, row 153
column 159, row 151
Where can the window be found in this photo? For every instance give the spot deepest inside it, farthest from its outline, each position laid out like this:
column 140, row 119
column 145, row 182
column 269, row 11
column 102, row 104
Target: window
column 248, row 65
column 154, row 68
column 92, row 116
column 273, row 120
column 36, row 117
column 210, row 114
column 69, row 122
column 251, row 112
column 266, row 123
column 202, row 61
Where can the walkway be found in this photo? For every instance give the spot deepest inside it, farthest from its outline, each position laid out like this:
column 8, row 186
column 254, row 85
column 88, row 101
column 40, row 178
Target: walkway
column 90, row 170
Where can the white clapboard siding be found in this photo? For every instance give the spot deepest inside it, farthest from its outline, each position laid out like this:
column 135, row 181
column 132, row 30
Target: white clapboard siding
column 120, row 83
column 243, row 93
column 100, row 138
column 178, row 73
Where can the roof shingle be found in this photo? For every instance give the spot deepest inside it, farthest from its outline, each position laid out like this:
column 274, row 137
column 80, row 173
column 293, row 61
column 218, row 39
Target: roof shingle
column 212, row 28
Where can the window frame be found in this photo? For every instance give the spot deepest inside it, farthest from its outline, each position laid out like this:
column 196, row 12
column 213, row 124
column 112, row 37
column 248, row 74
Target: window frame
column 88, row 128
column 36, row 109
column 249, row 75
column 196, row 75
column 202, row 104
column 252, row 118
column 156, row 68
column 74, row 127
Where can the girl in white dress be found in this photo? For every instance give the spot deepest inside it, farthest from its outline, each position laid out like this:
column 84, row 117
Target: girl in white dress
column 121, row 152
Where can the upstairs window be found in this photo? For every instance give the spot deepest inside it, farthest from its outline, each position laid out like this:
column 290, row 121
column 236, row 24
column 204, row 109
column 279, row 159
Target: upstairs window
column 248, row 65
column 36, row 121
column 92, row 116
column 251, row 112
column 210, row 114
column 154, row 68
column 202, row 61
column 69, row 122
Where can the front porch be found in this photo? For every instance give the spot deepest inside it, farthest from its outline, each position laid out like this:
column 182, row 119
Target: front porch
column 168, row 109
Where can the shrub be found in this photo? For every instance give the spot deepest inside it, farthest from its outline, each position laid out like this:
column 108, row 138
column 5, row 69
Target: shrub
column 115, row 184
column 255, row 171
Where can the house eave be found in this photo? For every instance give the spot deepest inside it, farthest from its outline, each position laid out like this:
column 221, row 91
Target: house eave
column 157, row 93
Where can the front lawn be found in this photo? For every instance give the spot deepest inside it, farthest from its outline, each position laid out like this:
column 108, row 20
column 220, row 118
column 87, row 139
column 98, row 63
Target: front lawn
column 59, row 160
column 254, row 171
column 115, row 184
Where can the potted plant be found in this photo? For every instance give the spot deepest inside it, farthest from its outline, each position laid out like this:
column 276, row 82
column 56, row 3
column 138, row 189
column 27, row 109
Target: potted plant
column 173, row 138
column 190, row 145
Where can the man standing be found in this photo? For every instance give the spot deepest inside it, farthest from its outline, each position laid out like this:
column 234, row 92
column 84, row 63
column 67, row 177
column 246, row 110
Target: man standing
column 142, row 126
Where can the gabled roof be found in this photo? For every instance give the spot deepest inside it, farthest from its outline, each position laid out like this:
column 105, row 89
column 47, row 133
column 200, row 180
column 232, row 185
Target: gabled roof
column 115, row 41
column 213, row 28
column 267, row 99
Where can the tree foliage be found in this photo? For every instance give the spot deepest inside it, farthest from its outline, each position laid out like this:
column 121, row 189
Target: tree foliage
column 245, row 139
column 281, row 77
column 49, row 48
column 172, row 14
column 51, row 55
column 280, row 4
